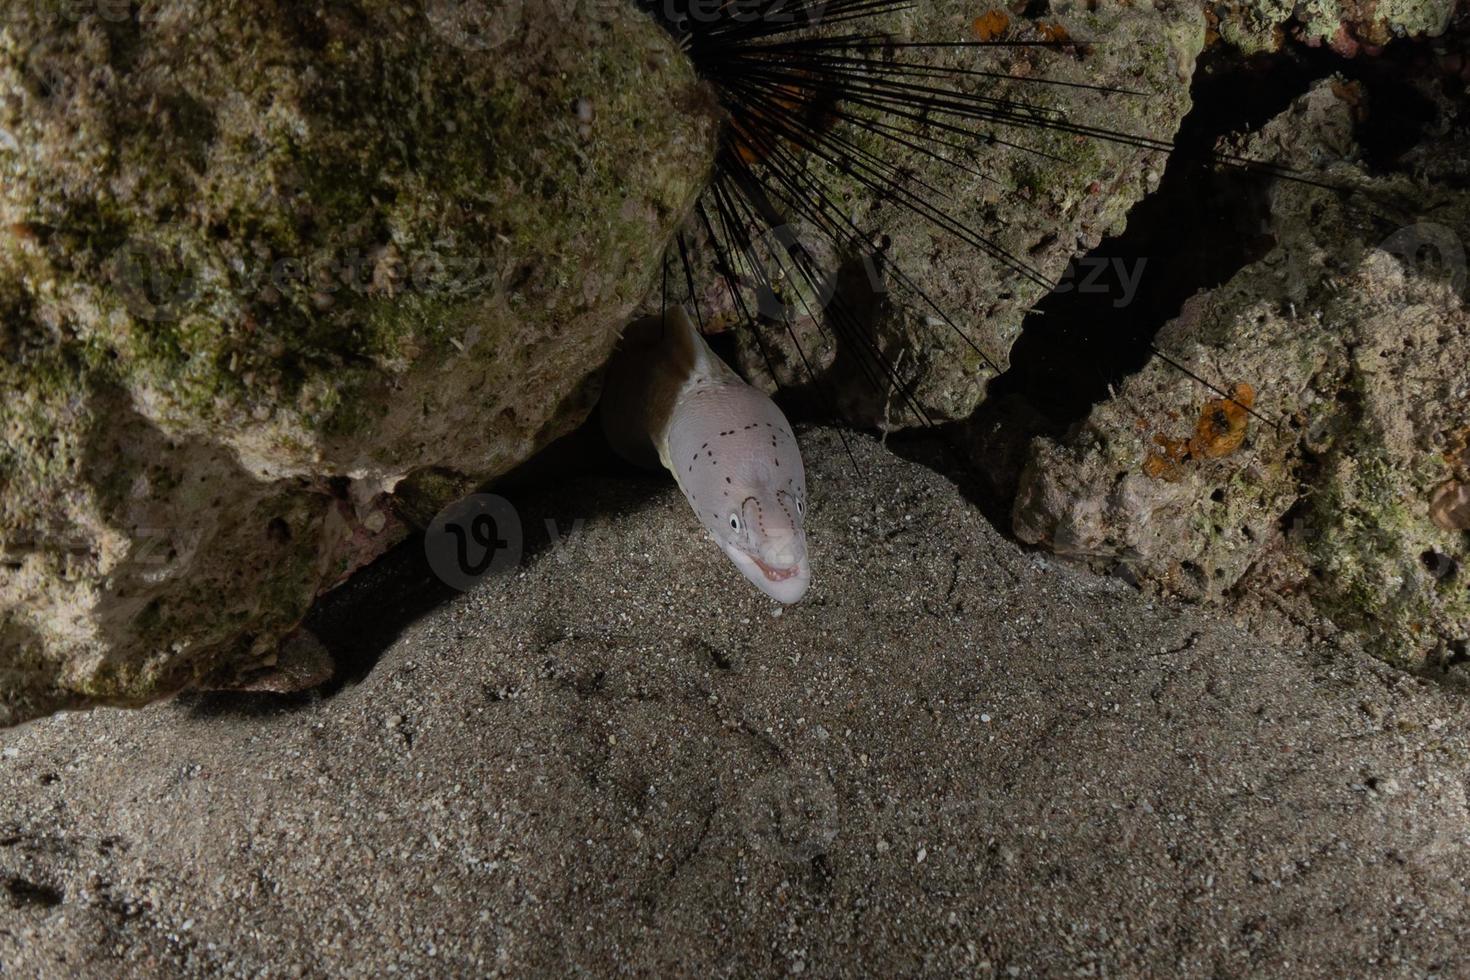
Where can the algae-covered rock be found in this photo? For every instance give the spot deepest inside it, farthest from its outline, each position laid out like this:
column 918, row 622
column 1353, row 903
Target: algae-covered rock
column 1350, row 340
column 1052, row 195
column 1254, row 26
column 1021, row 195
column 259, row 263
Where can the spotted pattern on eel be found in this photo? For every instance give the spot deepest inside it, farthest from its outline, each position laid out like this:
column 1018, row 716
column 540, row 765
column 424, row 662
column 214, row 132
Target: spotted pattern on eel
column 669, row 399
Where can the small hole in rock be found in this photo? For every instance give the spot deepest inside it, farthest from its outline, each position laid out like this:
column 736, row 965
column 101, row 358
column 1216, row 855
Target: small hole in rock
column 1441, row 566
column 278, row 530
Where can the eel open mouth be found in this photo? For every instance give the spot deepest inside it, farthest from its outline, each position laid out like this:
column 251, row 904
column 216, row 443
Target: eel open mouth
column 784, row 583
column 776, row 574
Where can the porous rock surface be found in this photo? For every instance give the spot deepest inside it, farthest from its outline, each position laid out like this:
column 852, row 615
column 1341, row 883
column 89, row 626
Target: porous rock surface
column 260, row 263
column 1353, row 333
column 1028, row 187
column 1348, row 26
column 954, row 759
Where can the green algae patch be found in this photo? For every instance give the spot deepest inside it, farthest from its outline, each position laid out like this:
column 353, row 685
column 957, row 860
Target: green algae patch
column 260, row 262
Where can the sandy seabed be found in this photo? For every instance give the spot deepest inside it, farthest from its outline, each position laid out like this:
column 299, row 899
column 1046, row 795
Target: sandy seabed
column 954, row 758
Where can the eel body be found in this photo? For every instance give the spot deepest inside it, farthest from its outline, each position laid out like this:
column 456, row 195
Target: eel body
column 669, row 399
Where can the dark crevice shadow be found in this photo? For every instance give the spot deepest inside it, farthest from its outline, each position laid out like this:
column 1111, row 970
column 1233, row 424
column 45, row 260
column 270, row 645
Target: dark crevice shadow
column 361, row 619
column 356, row 622
column 1201, row 226
column 947, row 450
column 245, row 705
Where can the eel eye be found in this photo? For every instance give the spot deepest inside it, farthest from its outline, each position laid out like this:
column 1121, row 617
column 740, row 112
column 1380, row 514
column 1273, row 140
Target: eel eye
column 734, row 522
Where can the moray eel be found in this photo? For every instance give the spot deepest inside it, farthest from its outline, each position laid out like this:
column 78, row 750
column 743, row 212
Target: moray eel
column 669, row 399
